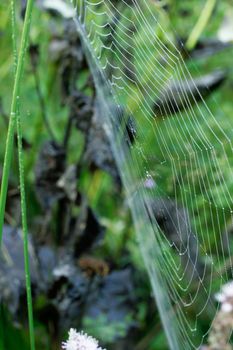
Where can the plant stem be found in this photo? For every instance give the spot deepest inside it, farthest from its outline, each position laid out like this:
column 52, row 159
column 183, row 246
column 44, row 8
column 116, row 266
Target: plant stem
column 23, row 197
column 25, row 234
column 14, row 34
column 22, row 185
column 201, row 24
column 12, row 121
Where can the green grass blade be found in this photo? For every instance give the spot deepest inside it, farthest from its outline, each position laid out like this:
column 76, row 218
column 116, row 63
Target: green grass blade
column 25, row 234
column 12, row 121
column 15, row 118
column 22, row 192
column 201, row 24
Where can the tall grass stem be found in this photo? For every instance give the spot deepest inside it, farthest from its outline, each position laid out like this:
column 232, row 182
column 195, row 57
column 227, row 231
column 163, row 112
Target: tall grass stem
column 201, row 24
column 12, row 121
column 22, row 192
column 25, row 234
column 16, row 117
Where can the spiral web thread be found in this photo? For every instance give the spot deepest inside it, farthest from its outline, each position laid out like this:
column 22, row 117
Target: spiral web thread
column 181, row 148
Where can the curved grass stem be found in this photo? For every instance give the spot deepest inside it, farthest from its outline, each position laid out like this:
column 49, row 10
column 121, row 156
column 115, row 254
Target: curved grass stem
column 201, row 24
column 25, row 233
column 15, row 117
column 12, row 121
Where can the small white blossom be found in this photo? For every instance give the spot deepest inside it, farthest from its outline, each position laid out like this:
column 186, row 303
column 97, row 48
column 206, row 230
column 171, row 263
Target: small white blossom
column 227, row 307
column 80, row 341
column 228, row 289
column 225, row 297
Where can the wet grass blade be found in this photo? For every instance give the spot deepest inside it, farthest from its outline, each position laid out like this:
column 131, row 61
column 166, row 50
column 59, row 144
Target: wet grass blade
column 15, row 118
column 12, row 121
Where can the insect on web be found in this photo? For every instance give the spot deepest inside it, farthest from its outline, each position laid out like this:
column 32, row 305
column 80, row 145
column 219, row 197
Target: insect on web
column 177, row 172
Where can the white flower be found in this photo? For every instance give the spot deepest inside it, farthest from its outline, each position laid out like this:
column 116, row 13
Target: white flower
column 227, row 307
column 228, row 289
column 225, row 297
column 80, row 341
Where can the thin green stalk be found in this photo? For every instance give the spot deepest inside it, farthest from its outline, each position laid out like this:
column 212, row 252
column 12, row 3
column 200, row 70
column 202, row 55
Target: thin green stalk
column 12, row 121
column 22, row 192
column 14, row 40
column 25, row 235
column 201, row 24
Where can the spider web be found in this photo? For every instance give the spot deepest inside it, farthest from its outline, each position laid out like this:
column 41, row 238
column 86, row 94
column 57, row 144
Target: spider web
column 177, row 174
